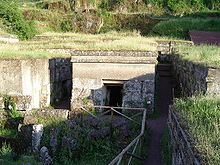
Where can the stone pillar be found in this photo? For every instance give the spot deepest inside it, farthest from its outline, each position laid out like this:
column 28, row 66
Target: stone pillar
column 37, row 133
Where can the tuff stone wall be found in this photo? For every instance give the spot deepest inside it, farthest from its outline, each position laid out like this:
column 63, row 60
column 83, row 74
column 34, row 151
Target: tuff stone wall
column 27, row 81
column 167, row 46
column 182, row 151
column 60, row 79
column 195, row 78
column 93, row 70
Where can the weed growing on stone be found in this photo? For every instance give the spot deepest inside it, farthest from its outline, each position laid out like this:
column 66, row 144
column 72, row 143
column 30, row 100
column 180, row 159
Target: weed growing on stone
column 200, row 116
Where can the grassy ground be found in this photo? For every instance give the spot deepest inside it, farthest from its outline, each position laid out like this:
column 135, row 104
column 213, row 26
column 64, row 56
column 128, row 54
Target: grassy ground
column 107, row 41
column 202, row 54
column 200, row 117
column 179, row 27
column 75, row 41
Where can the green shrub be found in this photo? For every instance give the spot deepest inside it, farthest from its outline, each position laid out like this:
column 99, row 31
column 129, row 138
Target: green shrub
column 204, row 14
column 66, row 26
column 11, row 107
column 184, row 6
column 14, row 22
column 6, row 152
column 179, row 28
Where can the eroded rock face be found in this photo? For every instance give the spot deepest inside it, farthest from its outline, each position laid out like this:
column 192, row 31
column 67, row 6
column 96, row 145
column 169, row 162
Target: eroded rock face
column 45, row 157
column 87, row 23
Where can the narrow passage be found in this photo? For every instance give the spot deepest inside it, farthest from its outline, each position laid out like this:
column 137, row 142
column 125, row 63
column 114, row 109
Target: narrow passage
column 158, row 124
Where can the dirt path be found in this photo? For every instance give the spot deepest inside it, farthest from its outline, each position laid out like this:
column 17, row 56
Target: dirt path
column 158, row 124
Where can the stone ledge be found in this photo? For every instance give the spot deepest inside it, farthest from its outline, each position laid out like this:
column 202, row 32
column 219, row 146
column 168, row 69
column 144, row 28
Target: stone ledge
column 52, row 113
column 113, row 59
column 124, row 53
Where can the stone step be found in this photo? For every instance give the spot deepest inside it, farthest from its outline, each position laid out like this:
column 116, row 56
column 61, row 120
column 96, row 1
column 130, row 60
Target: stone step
column 165, row 74
column 164, row 67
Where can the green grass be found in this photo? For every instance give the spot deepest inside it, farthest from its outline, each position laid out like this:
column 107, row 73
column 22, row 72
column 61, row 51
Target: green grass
column 204, row 14
column 202, row 54
column 200, row 117
column 6, row 132
column 179, row 27
column 18, row 53
column 75, row 41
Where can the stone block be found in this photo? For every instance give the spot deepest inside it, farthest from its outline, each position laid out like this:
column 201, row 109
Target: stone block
column 52, row 113
column 37, row 133
column 29, row 120
column 22, row 102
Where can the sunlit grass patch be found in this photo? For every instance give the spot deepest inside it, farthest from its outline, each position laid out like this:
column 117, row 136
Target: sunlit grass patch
column 38, row 48
column 17, row 53
column 200, row 116
column 107, row 41
column 202, row 54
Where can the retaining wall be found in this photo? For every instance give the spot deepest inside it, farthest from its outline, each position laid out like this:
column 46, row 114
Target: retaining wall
column 182, row 151
column 27, row 80
column 33, row 83
column 195, row 78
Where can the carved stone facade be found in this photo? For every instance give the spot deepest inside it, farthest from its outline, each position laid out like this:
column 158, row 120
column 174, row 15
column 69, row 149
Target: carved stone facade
column 94, row 72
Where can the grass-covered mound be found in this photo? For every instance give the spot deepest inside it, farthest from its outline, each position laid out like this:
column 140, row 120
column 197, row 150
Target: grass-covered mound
column 200, row 117
column 38, row 48
column 202, row 54
column 179, row 27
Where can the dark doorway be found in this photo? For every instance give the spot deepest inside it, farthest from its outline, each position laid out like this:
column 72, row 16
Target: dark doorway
column 114, row 95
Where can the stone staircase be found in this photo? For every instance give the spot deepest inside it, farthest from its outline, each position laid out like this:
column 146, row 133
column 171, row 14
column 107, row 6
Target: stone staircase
column 164, row 70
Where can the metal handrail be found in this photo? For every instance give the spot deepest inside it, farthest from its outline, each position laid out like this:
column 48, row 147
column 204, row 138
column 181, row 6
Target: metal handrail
column 118, row 158
column 135, row 141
